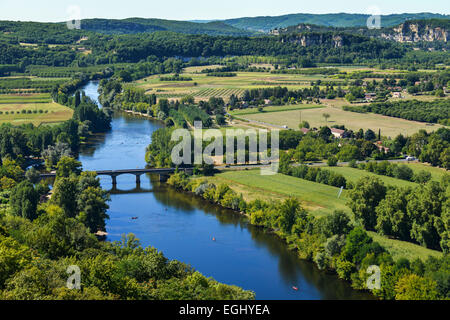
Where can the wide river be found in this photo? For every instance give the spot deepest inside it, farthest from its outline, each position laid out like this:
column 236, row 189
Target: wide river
column 182, row 226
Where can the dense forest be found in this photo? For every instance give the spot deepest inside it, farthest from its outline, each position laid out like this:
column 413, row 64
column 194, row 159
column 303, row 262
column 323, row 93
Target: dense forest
column 59, row 46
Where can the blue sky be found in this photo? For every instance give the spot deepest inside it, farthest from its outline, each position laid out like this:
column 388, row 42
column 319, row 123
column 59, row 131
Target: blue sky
column 56, row 10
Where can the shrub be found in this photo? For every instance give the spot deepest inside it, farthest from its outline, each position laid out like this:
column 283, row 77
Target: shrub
column 422, row 177
column 332, row 161
column 353, row 164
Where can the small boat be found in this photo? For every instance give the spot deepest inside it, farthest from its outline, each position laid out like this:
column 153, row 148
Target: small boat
column 295, row 288
column 134, row 218
column 214, row 239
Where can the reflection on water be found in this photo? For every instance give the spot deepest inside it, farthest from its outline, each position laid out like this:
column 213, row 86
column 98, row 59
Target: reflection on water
column 182, row 225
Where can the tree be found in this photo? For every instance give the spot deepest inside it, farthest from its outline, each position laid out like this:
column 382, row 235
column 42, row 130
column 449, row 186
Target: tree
column 422, row 177
column 369, row 135
column 349, row 152
column 285, row 161
column 220, row 119
column 332, row 161
column 67, row 166
column 24, row 200
column 414, row 287
column 304, row 124
column 77, row 98
column 53, row 154
column 65, row 195
column 392, row 217
column 425, row 207
column 364, row 199
column 326, row 116
column 32, row 175
column 403, row 172
column 289, row 211
column 325, row 133
column 93, row 207
column 356, row 240
column 432, row 151
column 338, row 223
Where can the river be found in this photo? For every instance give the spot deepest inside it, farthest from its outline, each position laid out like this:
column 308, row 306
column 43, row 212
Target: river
column 182, row 226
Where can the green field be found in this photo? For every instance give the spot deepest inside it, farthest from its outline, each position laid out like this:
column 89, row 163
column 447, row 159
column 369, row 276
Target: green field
column 436, row 173
column 401, row 249
column 29, row 98
column 317, row 198
column 353, row 175
column 320, row 199
column 389, row 126
column 34, row 108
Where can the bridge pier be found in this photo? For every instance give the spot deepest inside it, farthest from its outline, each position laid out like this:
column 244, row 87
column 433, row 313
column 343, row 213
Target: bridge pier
column 138, row 179
column 114, row 180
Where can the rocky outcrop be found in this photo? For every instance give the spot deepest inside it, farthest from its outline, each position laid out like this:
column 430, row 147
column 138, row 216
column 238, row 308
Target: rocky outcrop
column 315, row 39
column 415, row 32
column 410, row 31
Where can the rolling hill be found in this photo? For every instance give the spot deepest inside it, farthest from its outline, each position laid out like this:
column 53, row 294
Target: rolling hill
column 140, row 25
column 265, row 24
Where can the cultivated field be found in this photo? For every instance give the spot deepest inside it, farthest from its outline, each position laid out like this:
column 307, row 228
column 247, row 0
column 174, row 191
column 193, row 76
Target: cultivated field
column 202, row 87
column 35, row 108
column 389, row 126
column 271, row 109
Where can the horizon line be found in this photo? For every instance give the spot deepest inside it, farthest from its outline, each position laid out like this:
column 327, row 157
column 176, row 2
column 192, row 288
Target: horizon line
column 193, row 20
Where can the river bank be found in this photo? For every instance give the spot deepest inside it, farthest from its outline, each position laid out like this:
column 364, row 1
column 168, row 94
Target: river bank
column 224, row 197
column 183, row 226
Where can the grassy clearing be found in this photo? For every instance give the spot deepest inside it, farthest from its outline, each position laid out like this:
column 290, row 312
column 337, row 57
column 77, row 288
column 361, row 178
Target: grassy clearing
column 271, row 109
column 436, row 173
column 354, row 175
column 318, row 198
column 401, row 249
column 389, row 126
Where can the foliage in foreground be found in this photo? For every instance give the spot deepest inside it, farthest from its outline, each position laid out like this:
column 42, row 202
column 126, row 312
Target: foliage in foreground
column 39, row 241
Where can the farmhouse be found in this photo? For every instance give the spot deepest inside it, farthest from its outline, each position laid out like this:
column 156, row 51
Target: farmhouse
column 304, row 130
column 337, row 133
column 382, row 148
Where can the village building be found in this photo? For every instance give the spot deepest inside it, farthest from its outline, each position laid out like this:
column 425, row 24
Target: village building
column 305, row 130
column 337, row 133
